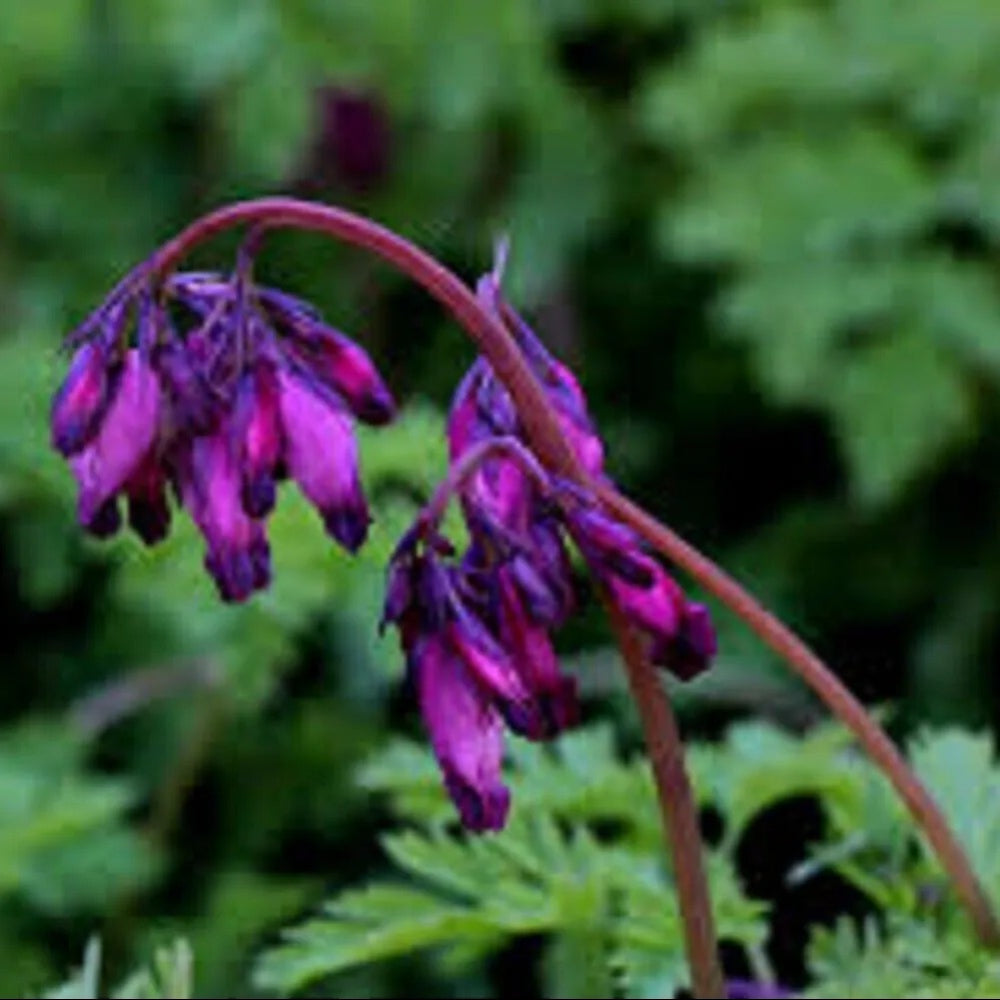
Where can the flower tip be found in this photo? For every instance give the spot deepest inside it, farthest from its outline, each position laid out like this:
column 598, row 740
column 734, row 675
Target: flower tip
column 348, row 526
column 482, row 809
column 259, row 495
column 102, row 522
column 689, row 651
column 238, row 574
column 150, row 521
column 376, row 406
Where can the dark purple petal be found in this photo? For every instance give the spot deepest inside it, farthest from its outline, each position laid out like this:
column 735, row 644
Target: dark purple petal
column 542, row 601
column 322, row 457
column 466, row 733
column 257, row 437
column 192, row 404
column 611, row 546
column 237, row 554
column 690, row 650
column 553, row 695
column 486, row 659
column 333, row 358
column 465, row 425
column 105, row 521
column 559, row 383
column 148, row 510
column 745, row 989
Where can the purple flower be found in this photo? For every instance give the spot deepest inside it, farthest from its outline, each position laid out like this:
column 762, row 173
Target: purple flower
column 258, row 437
column 119, row 442
column 466, row 732
column 746, row 989
column 322, row 456
column 229, row 387
column 82, row 401
column 682, row 638
column 502, row 503
column 210, row 488
column 554, row 701
column 476, row 660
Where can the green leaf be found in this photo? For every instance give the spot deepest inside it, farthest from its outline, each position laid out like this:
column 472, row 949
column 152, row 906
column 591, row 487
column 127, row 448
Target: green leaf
column 898, row 406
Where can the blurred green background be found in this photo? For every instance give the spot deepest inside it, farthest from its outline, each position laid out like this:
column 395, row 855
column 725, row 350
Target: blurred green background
column 766, row 234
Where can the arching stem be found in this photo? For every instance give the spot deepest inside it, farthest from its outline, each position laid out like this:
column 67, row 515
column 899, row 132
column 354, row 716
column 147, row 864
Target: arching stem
column 543, row 430
column 678, row 809
column 804, row 662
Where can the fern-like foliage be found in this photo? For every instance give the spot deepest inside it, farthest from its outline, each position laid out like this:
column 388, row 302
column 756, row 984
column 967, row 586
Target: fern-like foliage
column 845, row 283
column 603, row 901
column 64, row 845
column 169, row 977
column 581, row 864
column 906, row 959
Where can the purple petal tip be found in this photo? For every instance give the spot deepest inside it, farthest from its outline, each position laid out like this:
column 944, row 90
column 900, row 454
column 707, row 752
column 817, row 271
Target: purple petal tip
column 347, row 526
column 482, row 809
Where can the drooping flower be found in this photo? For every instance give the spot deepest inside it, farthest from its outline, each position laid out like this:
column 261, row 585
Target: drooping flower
column 322, row 456
column 120, row 441
column 220, row 388
column 747, row 989
column 501, row 499
column 682, row 638
column 477, row 661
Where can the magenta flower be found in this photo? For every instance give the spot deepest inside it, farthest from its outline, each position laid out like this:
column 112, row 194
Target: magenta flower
column 215, row 389
column 747, row 989
column 322, row 456
column 220, row 389
column 476, row 660
column 118, row 443
column 505, row 512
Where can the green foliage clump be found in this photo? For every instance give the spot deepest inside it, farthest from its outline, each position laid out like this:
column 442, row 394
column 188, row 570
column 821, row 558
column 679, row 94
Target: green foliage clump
column 845, row 240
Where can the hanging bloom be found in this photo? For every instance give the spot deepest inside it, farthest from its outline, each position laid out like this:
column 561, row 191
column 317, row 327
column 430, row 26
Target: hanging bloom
column 119, row 443
column 322, row 456
column 682, row 637
column 502, row 502
column 477, row 660
column 220, row 388
column 747, row 989
column 237, row 556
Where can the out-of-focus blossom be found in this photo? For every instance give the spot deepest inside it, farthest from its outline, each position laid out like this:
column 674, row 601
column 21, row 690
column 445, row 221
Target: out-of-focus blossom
column 746, row 989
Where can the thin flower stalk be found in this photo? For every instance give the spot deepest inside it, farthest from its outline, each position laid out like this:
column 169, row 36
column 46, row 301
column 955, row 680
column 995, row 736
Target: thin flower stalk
column 563, row 451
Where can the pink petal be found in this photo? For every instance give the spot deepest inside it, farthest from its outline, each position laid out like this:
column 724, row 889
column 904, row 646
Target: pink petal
column 127, row 433
column 466, row 733
column 322, row 457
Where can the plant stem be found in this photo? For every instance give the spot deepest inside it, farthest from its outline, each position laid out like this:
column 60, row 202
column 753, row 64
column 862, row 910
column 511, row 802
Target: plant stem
column 678, row 811
column 838, row 698
column 545, row 434
column 543, row 431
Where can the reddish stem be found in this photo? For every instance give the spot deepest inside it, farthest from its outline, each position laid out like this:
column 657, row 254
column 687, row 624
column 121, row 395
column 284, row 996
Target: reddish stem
column 678, row 810
column 837, row 697
column 542, row 427
column 545, row 434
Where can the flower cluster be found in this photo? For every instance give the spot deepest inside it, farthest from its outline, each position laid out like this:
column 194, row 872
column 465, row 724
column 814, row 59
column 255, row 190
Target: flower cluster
column 217, row 388
column 477, row 629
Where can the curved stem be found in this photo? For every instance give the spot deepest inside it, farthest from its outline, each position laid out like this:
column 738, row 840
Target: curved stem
column 678, row 812
column 467, row 466
column 487, row 332
column 837, row 697
column 543, row 431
